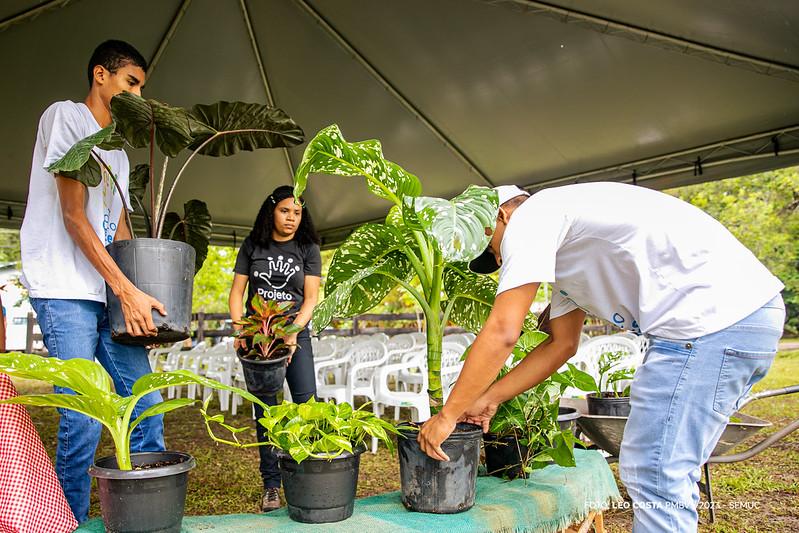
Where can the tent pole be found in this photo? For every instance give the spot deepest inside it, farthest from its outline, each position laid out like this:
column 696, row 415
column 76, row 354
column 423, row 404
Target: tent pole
column 173, row 26
column 31, row 13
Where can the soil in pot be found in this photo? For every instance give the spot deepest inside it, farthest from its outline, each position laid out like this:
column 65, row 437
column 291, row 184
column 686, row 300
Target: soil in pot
column 148, row 498
column 608, row 404
column 320, row 490
column 164, row 269
column 431, row 486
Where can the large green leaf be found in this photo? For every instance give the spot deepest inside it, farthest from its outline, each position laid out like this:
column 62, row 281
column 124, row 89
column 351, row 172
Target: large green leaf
column 473, row 296
column 249, row 127
column 193, row 228
column 459, row 225
column 162, row 380
column 340, row 303
column 329, row 153
column 136, row 117
column 365, row 247
column 81, row 375
column 99, row 408
column 78, row 162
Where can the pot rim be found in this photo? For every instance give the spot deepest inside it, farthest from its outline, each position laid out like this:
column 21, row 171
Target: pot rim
column 594, row 396
column 467, row 433
column 103, row 472
column 263, row 362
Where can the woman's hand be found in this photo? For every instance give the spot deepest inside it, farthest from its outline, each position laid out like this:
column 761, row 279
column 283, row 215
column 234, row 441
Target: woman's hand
column 291, row 342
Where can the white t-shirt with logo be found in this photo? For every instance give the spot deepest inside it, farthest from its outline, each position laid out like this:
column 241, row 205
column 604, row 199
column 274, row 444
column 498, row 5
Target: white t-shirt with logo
column 53, row 266
column 640, row 259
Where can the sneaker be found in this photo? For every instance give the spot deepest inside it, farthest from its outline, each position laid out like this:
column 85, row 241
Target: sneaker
column 271, row 500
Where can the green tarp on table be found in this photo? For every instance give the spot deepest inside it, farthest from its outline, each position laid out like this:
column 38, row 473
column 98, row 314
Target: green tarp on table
column 550, row 500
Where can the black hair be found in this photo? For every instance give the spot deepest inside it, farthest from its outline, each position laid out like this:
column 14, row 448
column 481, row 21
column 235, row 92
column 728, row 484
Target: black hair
column 261, row 233
column 113, row 55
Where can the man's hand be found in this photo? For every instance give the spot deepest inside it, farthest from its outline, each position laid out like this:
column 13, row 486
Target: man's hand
column 480, row 413
column 433, row 433
column 137, row 307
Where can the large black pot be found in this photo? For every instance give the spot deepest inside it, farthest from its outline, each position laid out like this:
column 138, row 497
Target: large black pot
column 320, row 490
column 503, row 455
column 608, row 404
column 430, row 486
column 144, row 500
column 163, row 269
column 264, row 377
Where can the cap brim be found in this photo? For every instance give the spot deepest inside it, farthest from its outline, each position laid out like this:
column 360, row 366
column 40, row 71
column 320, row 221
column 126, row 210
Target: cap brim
column 485, row 263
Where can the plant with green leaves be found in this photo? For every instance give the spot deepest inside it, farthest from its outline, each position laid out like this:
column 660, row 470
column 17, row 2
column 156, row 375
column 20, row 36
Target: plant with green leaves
column 93, row 395
column 429, row 239
column 531, row 418
column 322, row 430
column 217, row 130
column 614, row 379
column 266, row 328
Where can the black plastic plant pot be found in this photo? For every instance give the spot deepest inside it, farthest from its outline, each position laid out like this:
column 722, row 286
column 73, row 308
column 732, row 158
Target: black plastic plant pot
column 320, row 490
column 264, row 376
column 164, row 269
column 503, row 456
column 608, row 404
column 145, row 499
column 567, row 418
column 431, row 486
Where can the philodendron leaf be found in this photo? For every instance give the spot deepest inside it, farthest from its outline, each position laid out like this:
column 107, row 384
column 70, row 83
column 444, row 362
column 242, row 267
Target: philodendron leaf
column 98, row 407
column 137, row 185
column 193, row 228
column 329, row 153
column 459, row 225
column 84, row 376
column 78, row 162
column 243, row 127
column 136, row 117
column 473, row 296
column 366, row 247
column 340, row 302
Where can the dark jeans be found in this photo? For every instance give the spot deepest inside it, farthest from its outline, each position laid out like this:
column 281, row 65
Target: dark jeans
column 302, row 384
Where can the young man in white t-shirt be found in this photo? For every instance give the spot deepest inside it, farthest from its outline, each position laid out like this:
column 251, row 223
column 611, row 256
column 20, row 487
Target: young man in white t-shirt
column 647, row 262
column 66, row 267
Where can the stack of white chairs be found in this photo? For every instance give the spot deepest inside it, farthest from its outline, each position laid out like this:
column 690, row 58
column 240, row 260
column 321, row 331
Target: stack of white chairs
column 360, row 362
column 176, row 361
column 158, row 356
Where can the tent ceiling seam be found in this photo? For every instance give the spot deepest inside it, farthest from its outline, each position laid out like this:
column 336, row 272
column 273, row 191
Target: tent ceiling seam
column 393, row 90
column 173, row 26
column 32, row 13
column 733, row 145
column 659, row 39
column 256, row 50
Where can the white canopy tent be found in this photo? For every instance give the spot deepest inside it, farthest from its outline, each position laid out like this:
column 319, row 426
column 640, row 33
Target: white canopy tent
column 661, row 94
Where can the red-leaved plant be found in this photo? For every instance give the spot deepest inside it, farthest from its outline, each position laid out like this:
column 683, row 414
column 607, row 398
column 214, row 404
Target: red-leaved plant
column 266, row 329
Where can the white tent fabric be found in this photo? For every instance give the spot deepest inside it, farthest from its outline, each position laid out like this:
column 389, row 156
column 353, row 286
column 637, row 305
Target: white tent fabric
column 460, row 91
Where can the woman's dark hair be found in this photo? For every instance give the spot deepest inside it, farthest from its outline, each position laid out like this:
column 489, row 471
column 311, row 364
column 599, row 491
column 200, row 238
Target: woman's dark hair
column 114, row 55
column 261, row 233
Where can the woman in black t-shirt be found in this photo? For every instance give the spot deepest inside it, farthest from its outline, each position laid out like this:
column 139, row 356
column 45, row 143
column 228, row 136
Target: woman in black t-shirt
column 280, row 260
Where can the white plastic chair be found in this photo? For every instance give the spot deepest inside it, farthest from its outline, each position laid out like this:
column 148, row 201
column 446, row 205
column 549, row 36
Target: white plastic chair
column 418, row 402
column 587, row 357
column 364, row 358
column 176, row 361
column 158, row 356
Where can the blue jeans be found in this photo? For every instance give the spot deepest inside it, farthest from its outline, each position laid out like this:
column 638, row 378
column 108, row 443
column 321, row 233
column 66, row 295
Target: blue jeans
column 682, row 397
column 79, row 328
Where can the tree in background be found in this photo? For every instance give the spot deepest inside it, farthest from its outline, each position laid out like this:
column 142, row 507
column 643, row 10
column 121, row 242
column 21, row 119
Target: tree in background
column 762, row 211
column 212, row 283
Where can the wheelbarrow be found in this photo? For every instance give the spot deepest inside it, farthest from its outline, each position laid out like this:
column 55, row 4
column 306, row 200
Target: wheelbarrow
column 605, row 433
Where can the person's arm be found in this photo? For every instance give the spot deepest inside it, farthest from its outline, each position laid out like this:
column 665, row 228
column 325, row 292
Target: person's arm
column 304, row 315
column 136, row 305
column 236, row 305
column 486, row 357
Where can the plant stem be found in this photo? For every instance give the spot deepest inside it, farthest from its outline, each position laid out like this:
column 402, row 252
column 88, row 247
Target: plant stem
column 151, row 172
column 435, row 336
column 161, row 182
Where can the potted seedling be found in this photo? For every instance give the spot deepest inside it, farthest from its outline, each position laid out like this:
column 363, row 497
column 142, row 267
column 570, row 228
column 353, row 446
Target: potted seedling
column 164, row 264
column 139, row 492
column 431, row 240
column 611, row 396
column 531, row 430
column 264, row 359
column 319, row 447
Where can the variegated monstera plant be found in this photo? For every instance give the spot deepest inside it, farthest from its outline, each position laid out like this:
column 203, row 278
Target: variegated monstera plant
column 431, row 239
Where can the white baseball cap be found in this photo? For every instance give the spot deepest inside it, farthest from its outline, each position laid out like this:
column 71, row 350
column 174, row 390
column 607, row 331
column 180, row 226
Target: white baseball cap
column 486, row 263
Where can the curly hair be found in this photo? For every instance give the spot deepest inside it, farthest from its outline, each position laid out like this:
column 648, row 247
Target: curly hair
column 261, row 233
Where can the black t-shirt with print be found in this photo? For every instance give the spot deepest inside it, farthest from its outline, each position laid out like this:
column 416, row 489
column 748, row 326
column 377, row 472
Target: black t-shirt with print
column 277, row 272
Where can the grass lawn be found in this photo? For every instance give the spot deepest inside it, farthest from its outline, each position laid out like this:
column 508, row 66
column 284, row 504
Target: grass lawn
column 226, row 480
